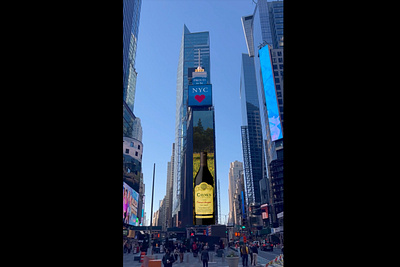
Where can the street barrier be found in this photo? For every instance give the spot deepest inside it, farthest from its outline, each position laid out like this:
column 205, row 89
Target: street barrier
column 278, row 261
column 142, row 256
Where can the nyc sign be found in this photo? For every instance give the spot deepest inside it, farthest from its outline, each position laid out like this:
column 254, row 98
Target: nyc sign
column 200, row 95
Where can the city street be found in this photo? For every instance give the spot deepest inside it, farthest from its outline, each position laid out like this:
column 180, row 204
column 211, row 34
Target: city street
column 190, row 261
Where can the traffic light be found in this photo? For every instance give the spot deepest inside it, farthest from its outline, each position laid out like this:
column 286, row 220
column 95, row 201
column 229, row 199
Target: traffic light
column 243, row 227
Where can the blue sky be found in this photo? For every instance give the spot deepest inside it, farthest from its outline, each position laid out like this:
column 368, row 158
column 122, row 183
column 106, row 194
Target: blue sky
column 159, row 40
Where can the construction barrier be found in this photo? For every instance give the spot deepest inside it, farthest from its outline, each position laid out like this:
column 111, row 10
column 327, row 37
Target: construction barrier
column 142, row 256
column 278, row 261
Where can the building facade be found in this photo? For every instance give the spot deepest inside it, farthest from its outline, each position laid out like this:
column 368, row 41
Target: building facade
column 235, row 172
column 195, row 48
column 252, row 141
column 132, row 130
column 131, row 17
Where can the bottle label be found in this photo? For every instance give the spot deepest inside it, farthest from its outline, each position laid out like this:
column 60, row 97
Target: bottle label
column 204, row 201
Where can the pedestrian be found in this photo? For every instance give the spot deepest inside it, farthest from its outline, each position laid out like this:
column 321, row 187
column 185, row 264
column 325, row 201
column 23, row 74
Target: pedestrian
column 205, row 257
column 129, row 247
column 125, row 248
column 244, row 253
column 181, row 251
column 176, row 253
column 255, row 254
column 194, row 249
column 168, row 259
column 249, row 246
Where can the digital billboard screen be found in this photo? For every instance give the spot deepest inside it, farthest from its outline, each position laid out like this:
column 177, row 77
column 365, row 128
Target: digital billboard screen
column 200, row 95
column 275, row 126
column 130, row 205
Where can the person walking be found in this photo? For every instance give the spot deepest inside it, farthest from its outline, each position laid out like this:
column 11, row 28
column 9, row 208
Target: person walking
column 244, row 253
column 168, row 259
column 181, row 251
column 194, row 249
column 255, row 254
column 205, row 257
column 249, row 246
column 129, row 246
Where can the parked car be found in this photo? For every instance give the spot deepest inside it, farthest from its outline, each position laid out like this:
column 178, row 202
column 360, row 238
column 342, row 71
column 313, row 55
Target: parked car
column 267, row 246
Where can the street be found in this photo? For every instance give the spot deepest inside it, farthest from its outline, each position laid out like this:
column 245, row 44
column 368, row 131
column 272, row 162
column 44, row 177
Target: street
column 268, row 254
column 190, row 261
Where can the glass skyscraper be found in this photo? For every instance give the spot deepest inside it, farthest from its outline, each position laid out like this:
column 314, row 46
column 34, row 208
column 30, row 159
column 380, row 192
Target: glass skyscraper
column 189, row 57
column 266, row 30
column 131, row 16
column 252, row 138
column 131, row 13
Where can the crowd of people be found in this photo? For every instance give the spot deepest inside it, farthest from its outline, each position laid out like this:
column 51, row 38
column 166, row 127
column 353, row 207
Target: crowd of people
column 177, row 250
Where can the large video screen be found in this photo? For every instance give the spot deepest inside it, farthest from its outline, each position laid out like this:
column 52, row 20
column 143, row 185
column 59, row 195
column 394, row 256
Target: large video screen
column 203, row 139
column 200, row 95
column 275, row 126
column 130, row 205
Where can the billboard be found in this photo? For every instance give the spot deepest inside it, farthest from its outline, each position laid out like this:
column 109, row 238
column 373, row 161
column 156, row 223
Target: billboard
column 130, row 205
column 275, row 126
column 200, row 95
column 203, row 141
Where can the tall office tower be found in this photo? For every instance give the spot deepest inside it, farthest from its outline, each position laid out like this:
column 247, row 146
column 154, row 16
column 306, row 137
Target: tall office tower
column 252, row 141
column 131, row 13
column 267, row 33
column 270, row 15
column 235, row 170
column 189, row 57
column 169, row 191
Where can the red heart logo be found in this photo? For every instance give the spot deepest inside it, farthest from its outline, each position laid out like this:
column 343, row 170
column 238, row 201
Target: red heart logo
column 199, row 97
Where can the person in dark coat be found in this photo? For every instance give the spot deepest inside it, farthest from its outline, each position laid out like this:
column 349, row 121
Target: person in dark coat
column 205, row 257
column 255, row 254
column 168, row 259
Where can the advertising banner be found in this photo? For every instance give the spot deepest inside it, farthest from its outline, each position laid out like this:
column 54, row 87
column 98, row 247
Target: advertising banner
column 270, row 93
column 130, row 205
column 200, row 95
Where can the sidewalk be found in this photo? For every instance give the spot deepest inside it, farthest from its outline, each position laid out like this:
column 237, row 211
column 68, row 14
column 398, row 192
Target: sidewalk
column 190, row 261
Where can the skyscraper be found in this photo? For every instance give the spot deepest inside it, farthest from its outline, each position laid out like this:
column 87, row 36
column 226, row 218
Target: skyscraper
column 132, row 132
column 267, row 32
column 235, row 171
column 189, row 57
column 131, row 13
column 131, row 16
column 252, row 142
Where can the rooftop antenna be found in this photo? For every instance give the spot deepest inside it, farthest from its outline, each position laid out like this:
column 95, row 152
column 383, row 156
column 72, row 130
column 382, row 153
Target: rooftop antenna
column 199, row 68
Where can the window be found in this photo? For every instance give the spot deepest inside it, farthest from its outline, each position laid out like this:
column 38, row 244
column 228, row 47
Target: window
column 132, row 144
column 138, row 146
column 275, row 66
column 127, row 151
column 276, row 80
column 136, row 153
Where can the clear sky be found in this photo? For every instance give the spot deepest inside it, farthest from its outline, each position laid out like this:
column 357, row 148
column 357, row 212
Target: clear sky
column 159, row 41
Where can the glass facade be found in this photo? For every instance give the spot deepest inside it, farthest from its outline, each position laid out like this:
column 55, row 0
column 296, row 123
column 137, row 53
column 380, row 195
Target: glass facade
column 252, row 141
column 131, row 16
column 188, row 58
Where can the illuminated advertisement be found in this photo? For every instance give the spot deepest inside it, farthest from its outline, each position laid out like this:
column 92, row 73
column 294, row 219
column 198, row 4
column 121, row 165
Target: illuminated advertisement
column 200, row 95
column 264, row 210
column 275, row 126
column 130, row 205
column 203, row 139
